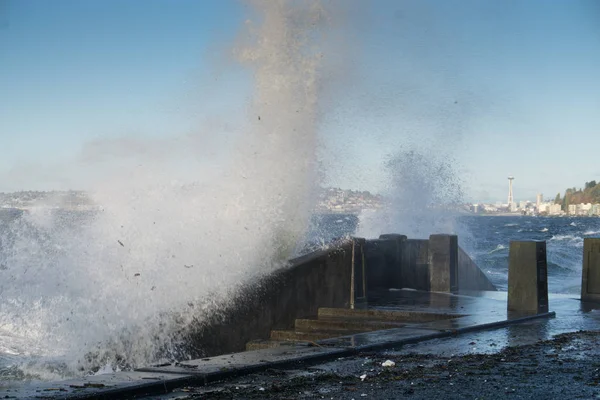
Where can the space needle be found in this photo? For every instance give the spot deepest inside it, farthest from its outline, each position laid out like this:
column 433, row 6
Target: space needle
column 510, row 193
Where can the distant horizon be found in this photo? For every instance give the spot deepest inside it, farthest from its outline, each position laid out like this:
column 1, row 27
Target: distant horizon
column 491, row 202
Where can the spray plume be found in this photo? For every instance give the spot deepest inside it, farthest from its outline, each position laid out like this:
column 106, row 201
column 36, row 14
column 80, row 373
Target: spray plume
column 118, row 284
column 422, row 196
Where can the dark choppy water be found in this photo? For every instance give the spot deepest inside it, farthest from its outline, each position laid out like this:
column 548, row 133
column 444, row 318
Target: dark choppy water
column 490, row 238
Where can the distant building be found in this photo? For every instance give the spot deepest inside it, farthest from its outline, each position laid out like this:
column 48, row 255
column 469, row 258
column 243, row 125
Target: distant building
column 554, row 209
column 489, row 208
column 539, row 199
column 346, row 201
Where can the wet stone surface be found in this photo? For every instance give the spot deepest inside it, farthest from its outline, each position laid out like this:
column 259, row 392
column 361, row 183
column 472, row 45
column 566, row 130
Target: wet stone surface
column 567, row 366
column 125, row 384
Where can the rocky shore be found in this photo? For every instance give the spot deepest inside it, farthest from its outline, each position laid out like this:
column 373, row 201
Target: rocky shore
column 567, row 366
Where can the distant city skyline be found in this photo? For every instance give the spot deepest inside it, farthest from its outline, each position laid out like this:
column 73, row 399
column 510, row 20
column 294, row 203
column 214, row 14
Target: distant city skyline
column 496, row 87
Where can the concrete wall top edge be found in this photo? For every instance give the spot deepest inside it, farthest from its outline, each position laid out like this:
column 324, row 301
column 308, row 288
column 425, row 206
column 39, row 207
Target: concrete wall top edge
column 392, row 236
column 339, row 246
column 442, row 234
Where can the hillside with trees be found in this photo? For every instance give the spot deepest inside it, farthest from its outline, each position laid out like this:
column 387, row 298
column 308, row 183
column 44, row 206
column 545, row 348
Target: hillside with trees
column 589, row 194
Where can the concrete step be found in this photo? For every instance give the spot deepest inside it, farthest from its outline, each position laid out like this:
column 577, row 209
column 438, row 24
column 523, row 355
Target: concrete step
column 383, row 315
column 260, row 344
column 343, row 326
column 296, row 336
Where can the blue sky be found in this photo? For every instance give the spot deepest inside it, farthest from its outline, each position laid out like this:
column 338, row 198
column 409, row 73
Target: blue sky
column 500, row 88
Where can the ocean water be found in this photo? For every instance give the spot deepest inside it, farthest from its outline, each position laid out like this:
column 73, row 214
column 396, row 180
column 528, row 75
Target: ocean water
column 486, row 239
column 490, row 238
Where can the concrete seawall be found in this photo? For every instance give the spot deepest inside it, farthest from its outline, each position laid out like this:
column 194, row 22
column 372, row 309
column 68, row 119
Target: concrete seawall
column 320, row 279
column 470, row 276
column 340, row 277
column 394, row 261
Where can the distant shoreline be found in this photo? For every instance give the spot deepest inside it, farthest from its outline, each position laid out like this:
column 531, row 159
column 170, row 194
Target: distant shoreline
column 536, row 216
column 500, row 215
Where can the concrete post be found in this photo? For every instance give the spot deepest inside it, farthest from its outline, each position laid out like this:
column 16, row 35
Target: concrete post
column 590, row 277
column 377, row 267
column 393, row 259
column 414, row 267
column 528, row 277
column 443, row 263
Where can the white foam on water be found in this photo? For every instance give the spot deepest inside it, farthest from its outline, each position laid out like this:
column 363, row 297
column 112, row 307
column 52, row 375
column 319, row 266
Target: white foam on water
column 566, row 237
column 499, row 247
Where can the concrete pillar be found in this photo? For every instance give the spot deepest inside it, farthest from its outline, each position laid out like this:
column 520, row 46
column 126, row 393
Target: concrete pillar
column 443, row 263
column 528, row 277
column 590, row 278
column 376, row 265
column 414, row 267
column 382, row 258
column 393, row 258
